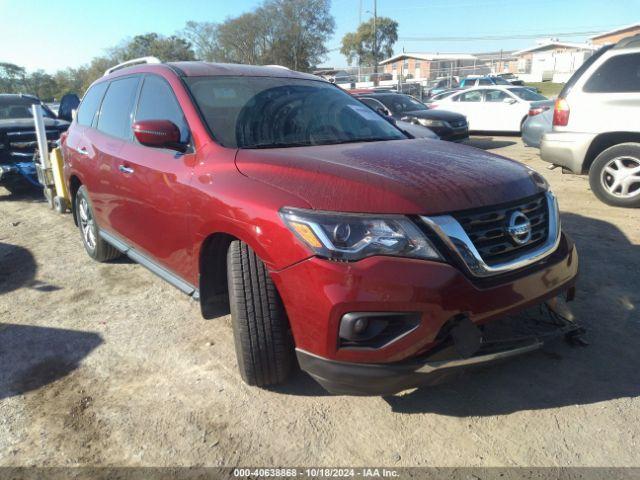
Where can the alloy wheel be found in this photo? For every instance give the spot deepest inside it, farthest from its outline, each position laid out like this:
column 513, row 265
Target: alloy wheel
column 87, row 224
column 621, row 177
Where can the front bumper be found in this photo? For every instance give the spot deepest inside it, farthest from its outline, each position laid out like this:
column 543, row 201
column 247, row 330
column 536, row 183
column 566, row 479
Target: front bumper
column 317, row 293
column 452, row 134
column 345, row 378
column 567, row 149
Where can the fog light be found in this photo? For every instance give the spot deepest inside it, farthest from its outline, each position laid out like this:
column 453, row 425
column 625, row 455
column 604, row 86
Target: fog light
column 360, row 325
column 375, row 329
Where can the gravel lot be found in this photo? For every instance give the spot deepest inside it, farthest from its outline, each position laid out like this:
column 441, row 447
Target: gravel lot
column 105, row 364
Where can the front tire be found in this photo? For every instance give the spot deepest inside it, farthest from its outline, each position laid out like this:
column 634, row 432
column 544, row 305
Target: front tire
column 614, row 175
column 94, row 244
column 263, row 342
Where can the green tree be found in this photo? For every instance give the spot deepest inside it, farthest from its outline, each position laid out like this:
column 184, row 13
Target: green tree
column 359, row 45
column 292, row 33
column 167, row 49
column 11, row 78
column 204, row 38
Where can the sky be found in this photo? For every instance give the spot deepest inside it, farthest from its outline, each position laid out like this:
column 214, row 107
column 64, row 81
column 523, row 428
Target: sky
column 51, row 35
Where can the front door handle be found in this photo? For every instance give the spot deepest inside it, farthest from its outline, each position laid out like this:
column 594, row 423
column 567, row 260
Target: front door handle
column 82, row 151
column 124, row 169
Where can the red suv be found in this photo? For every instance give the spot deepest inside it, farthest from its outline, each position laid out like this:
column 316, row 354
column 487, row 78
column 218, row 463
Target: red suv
column 373, row 258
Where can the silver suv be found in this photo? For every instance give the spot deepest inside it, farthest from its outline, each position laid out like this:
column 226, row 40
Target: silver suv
column 596, row 124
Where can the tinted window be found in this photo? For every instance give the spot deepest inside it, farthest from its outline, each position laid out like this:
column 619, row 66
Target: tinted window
column 18, row 106
column 375, row 104
column 115, row 114
column 472, row 96
column 617, row 75
column 578, row 73
column 398, row 104
column 90, row 104
column 495, row 95
column 269, row 112
column 484, row 81
column 157, row 102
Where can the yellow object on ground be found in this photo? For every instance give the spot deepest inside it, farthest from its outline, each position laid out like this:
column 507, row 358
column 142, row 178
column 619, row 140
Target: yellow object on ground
column 56, row 165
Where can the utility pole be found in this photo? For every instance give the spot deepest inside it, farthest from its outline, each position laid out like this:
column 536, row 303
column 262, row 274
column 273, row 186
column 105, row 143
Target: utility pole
column 359, row 61
column 375, row 40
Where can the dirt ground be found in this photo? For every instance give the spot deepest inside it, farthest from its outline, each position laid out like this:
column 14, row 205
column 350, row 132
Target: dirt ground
column 105, row 364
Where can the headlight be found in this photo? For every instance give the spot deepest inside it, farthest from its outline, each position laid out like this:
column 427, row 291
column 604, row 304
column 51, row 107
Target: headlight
column 427, row 122
column 351, row 237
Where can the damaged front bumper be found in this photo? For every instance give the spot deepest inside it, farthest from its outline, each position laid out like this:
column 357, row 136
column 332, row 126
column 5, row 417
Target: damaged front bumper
column 345, row 378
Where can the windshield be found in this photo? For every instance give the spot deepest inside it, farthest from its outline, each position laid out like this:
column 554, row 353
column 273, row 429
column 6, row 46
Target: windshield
column 528, row 95
column 399, row 104
column 268, row 112
column 17, row 107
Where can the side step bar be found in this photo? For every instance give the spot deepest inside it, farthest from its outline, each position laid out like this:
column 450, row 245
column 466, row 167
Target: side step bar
column 150, row 265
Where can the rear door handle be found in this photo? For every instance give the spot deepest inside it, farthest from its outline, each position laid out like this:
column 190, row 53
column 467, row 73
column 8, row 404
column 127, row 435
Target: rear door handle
column 124, row 169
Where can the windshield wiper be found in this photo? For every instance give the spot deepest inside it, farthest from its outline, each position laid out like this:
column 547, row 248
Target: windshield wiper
column 277, row 145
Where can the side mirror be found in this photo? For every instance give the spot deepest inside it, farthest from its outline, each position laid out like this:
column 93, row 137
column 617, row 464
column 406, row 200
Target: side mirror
column 158, row 134
column 383, row 111
column 509, row 101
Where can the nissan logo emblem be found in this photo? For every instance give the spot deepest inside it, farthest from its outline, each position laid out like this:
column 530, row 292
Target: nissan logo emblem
column 519, row 228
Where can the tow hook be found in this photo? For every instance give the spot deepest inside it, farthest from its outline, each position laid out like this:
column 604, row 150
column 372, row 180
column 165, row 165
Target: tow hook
column 558, row 306
column 576, row 337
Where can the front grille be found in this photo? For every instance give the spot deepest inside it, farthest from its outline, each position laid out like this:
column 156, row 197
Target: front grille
column 487, row 228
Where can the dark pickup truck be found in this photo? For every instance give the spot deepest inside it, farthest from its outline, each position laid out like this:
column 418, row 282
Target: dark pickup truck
column 18, row 139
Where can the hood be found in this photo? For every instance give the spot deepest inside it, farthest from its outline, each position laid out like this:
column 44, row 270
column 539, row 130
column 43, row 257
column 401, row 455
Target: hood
column 434, row 115
column 417, row 176
column 21, row 124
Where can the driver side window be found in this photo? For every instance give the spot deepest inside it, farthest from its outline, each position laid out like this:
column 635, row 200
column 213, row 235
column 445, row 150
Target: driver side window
column 157, row 102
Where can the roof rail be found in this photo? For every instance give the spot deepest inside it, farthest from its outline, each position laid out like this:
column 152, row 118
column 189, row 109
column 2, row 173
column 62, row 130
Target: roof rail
column 129, row 63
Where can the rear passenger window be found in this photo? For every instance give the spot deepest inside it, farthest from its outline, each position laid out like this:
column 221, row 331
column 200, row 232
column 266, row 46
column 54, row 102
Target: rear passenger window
column 484, row 81
column 473, row 96
column 619, row 74
column 90, row 103
column 157, row 102
column 115, row 114
column 495, row 95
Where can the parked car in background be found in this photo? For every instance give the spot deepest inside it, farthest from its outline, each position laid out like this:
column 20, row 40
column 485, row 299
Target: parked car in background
column 536, row 125
column 511, row 78
column 441, row 85
column 414, row 129
column 447, row 125
column 336, row 76
column 596, row 124
column 53, row 106
column 470, row 82
column 247, row 180
column 497, row 108
column 18, row 139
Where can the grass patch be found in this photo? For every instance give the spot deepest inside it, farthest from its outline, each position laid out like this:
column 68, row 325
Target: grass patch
column 548, row 89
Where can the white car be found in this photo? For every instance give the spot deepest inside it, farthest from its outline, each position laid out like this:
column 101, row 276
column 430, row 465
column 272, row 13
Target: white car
column 494, row 108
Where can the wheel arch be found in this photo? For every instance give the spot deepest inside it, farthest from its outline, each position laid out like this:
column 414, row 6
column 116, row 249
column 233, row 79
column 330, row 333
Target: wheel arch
column 604, row 141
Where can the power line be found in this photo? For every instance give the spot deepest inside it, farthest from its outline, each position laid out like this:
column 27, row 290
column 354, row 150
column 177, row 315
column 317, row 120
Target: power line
column 500, row 37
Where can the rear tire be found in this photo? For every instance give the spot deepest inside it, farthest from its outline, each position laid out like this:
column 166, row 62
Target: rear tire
column 94, row 244
column 263, row 342
column 614, row 175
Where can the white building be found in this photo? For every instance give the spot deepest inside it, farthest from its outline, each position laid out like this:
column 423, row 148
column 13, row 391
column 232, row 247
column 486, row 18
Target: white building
column 552, row 60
